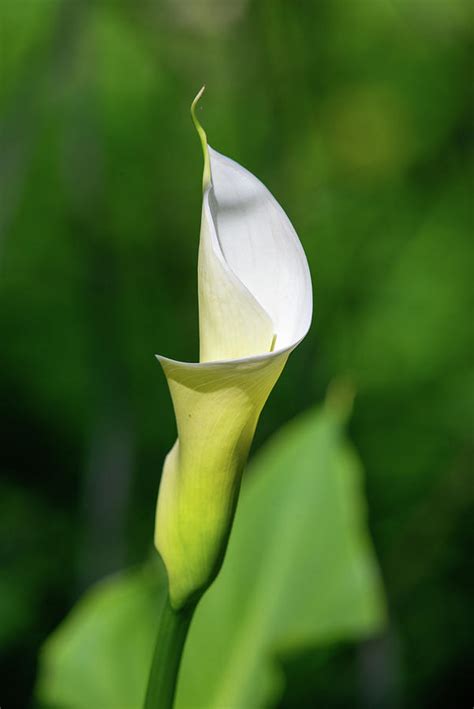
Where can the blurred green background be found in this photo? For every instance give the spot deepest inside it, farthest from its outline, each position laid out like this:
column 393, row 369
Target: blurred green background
column 356, row 114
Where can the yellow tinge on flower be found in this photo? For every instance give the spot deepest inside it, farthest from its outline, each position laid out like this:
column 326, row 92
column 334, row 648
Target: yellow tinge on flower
column 255, row 306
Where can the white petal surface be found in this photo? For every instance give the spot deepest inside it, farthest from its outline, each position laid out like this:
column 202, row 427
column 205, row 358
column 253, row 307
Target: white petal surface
column 260, row 247
column 232, row 324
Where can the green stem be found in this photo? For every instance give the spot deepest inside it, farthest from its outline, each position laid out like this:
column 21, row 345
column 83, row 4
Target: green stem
column 172, row 632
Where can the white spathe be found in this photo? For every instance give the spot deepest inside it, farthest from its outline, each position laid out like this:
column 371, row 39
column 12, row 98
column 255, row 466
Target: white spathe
column 252, row 235
column 255, row 306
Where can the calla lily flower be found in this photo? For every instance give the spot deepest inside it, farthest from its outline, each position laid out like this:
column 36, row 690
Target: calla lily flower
column 255, row 307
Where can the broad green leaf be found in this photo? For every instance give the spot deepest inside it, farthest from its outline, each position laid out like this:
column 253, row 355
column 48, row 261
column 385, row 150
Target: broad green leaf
column 98, row 657
column 299, row 571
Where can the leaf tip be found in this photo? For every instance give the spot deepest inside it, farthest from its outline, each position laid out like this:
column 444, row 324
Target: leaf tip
column 340, row 397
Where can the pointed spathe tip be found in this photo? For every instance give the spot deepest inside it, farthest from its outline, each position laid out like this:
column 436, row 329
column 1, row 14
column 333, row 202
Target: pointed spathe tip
column 197, row 97
column 206, row 178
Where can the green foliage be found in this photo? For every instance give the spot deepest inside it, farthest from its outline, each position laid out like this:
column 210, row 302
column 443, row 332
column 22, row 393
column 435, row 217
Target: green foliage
column 299, row 571
column 25, row 31
column 99, row 656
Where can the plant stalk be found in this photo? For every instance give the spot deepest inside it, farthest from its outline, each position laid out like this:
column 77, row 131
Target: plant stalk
column 172, row 632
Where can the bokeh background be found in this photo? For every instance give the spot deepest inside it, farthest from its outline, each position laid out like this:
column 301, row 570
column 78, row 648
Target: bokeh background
column 356, row 114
